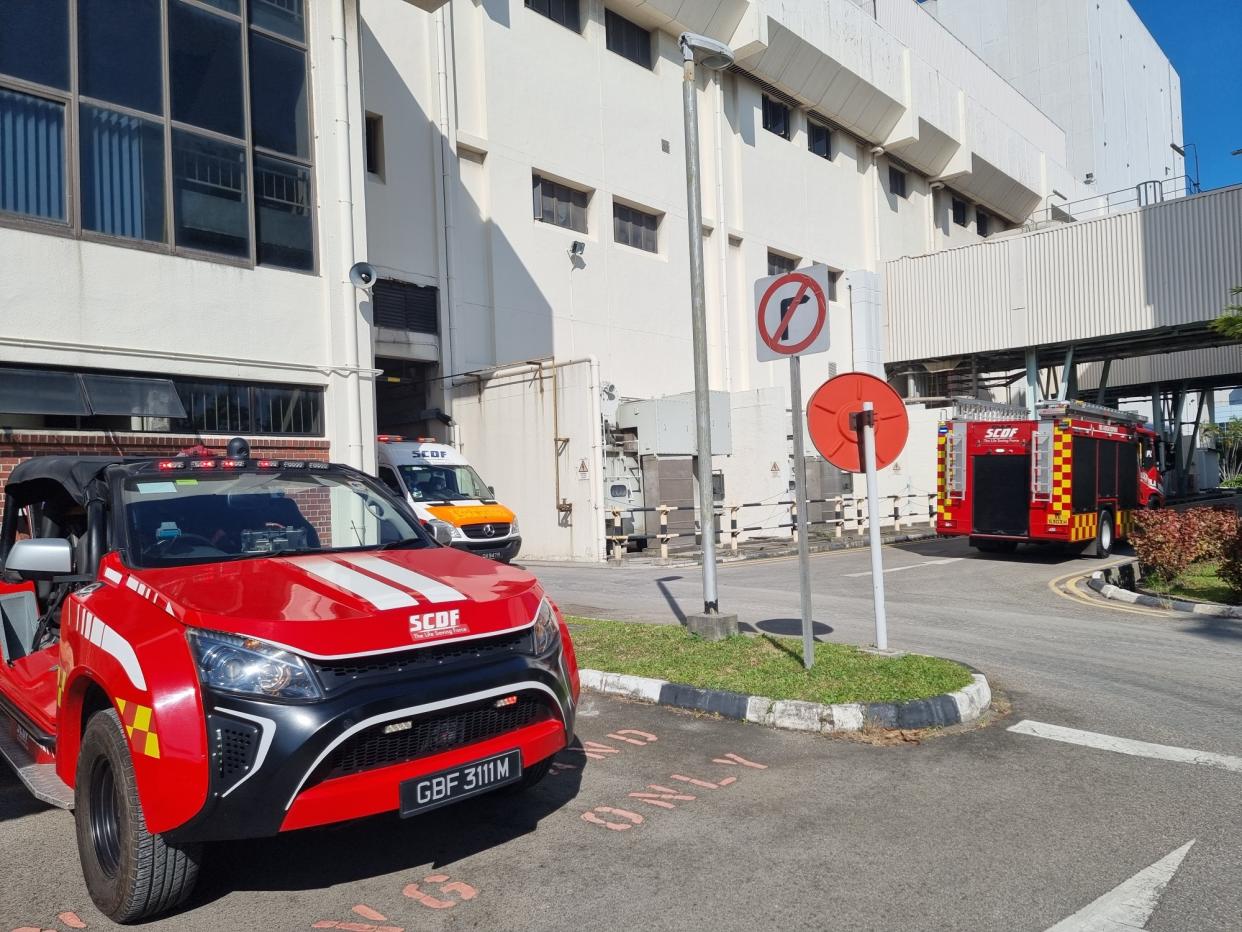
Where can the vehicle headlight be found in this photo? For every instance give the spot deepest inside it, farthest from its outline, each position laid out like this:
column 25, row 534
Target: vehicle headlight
column 546, row 631
column 454, row 531
column 251, row 667
column 513, row 526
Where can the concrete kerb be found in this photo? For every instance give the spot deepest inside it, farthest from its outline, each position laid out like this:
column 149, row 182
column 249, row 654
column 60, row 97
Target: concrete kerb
column 1098, row 583
column 965, row 705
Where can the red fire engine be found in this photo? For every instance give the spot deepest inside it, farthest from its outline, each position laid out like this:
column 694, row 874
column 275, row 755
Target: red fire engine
column 1074, row 475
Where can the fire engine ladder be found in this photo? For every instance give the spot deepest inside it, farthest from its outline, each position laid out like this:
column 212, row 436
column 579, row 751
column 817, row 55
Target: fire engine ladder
column 1041, row 462
column 40, row 779
column 1053, row 409
column 975, row 409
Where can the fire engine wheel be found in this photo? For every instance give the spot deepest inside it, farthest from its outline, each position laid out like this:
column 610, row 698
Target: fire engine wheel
column 130, row 873
column 1104, row 535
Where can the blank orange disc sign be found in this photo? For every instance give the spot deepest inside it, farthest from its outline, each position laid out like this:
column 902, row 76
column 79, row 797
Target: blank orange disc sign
column 828, row 420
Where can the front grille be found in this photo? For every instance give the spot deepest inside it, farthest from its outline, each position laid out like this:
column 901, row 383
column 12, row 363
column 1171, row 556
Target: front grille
column 479, row 531
column 432, row 734
column 233, row 747
column 340, row 674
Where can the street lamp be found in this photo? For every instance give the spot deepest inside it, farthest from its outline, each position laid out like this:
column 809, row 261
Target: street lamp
column 714, row 56
column 1181, row 150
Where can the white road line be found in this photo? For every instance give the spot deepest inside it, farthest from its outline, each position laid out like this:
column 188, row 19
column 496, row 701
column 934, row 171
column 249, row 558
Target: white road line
column 1129, row 905
column 910, row 566
column 1091, row 739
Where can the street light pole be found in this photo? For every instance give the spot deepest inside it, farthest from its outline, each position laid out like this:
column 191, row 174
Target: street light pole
column 714, row 55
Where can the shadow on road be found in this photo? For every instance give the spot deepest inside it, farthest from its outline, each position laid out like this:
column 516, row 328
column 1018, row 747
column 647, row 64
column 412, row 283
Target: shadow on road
column 1219, row 629
column 15, row 800
column 325, row 857
column 674, row 607
column 785, row 627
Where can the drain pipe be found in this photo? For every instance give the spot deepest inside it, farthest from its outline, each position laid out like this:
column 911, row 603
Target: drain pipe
column 722, row 244
column 345, row 218
column 444, row 155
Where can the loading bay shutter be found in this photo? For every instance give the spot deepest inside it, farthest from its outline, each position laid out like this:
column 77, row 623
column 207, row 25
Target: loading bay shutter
column 402, row 306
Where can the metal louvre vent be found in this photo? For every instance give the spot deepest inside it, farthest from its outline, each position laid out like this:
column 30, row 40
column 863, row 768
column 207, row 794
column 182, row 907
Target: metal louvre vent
column 340, row 674
column 380, row 746
column 233, row 747
column 479, row 531
column 1000, row 500
column 402, row 306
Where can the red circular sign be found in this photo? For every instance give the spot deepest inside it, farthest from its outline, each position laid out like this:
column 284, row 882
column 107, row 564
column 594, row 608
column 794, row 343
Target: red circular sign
column 805, row 283
column 828, row 418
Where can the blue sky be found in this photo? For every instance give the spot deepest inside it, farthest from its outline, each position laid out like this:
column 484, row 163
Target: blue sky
column 1203, row 39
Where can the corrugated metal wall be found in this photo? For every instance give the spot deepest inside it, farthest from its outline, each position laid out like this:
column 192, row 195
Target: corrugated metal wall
column 1166, row 265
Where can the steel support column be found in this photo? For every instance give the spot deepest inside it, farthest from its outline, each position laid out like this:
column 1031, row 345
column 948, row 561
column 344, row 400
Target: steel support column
column 1032, row 382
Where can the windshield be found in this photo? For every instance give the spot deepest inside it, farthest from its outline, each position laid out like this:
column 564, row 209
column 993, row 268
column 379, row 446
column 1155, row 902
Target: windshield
column 444, row 483
column 171, row 521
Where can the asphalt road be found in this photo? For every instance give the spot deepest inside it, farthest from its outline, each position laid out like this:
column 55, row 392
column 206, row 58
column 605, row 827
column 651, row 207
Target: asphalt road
column 983, row 829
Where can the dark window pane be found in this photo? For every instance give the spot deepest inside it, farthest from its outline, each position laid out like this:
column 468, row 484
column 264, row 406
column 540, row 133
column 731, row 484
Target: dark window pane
column 278, row 113
column 128, row 395
column 34, row 41
column 39, row 391
column 897, row 182
column 959, row 212
column 122, row 174
column 205, row 69
column 375, row 144
column 229, row 6
column 819, row 140
column 288, row 410
column 282, row 212
column 775, row 117
column 287, row 17
column 564, row 12
column 209, row 195
column 119, row 56
column 32, row 156
column 627, row 39
column 779, row 265
column 982, row 223
column 216, row 407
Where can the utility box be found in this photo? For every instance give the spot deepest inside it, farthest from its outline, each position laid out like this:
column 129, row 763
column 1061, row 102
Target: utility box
column 666, row 426
column 1207, row 468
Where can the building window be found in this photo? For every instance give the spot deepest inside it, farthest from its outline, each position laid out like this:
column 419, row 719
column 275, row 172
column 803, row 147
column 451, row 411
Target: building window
column 833, row 278
column 402, row 306
column 819, row 140
column 375, row 144
column 775, row 117
column 983, row 223
column 560, row 204
column 779, row 264
column 97, row 400
column 959, row 212
column 565, row 12
column 634, row 227
column 191, row 125
column 627, row 39
column 896, row 181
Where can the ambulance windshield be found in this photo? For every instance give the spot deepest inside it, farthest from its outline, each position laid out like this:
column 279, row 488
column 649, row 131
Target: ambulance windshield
column 443, row 483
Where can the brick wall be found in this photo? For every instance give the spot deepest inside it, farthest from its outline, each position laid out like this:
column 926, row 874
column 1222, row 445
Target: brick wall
column 19, row 445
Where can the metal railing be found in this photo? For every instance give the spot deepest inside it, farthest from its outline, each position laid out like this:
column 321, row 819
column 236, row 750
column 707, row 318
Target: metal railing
column 1143, row 194
column 849, row 514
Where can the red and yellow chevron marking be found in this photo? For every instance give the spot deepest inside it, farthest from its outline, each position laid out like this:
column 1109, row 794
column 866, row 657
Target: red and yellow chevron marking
column 139, row 727
column 1061, row 507
column 1084, row 527
column 60, row 685
column 943, row 511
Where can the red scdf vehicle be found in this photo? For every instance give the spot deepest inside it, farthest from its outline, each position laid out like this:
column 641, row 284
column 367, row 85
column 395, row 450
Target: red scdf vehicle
column 198, row 649
column 1073, row 476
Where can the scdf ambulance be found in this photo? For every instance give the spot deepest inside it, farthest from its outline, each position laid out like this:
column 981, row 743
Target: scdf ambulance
column 443, row 488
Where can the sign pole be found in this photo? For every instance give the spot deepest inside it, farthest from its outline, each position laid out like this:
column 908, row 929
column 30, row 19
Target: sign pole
column 804, row 552
column 873, row 521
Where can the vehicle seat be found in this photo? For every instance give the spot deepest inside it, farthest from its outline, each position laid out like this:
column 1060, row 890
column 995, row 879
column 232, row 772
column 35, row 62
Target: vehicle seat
column 19, row 618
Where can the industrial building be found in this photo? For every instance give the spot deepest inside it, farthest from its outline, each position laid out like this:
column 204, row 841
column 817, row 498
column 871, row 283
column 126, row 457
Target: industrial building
column 177, row 251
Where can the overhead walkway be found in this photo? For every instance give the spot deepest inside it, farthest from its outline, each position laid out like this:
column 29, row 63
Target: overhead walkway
column 1030, row 306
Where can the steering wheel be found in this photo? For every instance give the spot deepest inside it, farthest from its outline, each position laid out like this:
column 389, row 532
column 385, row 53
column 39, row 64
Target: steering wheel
column 168, row 546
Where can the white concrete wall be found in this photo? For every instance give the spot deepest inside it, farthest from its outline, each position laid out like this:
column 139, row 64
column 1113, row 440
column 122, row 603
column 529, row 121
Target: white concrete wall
column 73, row 303
column 1093, row 67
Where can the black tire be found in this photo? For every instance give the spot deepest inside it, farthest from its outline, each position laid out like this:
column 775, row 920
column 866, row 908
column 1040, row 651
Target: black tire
column 1104, row 536
column 130, row 873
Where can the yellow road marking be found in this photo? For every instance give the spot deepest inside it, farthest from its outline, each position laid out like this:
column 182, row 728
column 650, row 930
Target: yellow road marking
column 1071, row 593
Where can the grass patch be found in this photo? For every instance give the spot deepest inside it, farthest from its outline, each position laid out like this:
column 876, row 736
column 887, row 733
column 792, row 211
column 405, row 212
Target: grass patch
column 1199, row 582
column 762, row 666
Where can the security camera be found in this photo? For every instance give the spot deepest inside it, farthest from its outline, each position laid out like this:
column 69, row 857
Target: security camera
column 363, row 275
column 578, row 248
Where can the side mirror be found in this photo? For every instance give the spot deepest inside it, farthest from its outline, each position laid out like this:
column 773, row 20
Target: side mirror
column 492, row 490
column 443, row 533
column 40, row 559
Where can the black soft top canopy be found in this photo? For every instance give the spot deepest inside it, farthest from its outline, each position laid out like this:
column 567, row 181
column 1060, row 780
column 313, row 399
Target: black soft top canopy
column 43, row 477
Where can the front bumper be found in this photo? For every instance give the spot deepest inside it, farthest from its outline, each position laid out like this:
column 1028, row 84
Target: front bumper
column 271, row 765
column 502, row 550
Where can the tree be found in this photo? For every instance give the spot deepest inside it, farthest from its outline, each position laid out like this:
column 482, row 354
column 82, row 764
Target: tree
column 1228, row 439
column 1229, row 324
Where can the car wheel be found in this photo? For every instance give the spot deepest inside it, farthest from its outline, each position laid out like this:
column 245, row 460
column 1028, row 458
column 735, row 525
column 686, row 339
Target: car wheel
column 1104, row 535
column 130, row 873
